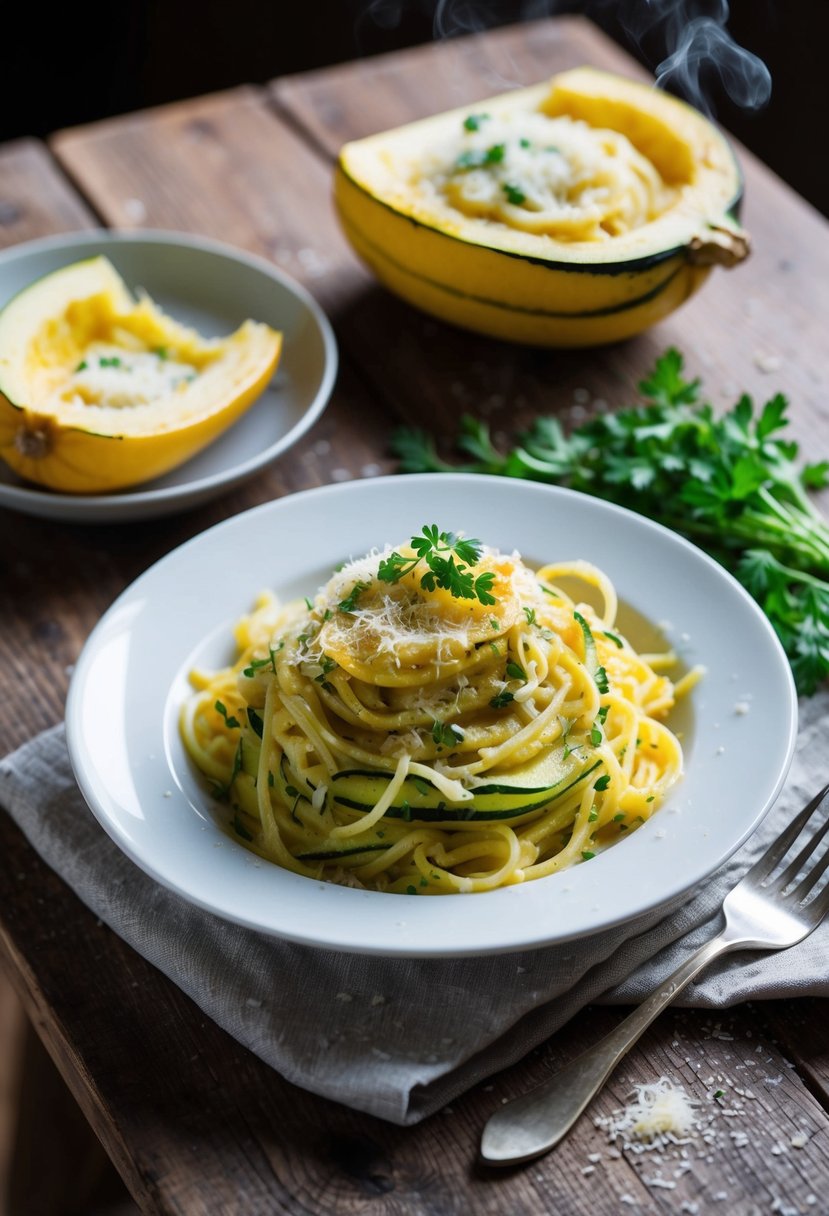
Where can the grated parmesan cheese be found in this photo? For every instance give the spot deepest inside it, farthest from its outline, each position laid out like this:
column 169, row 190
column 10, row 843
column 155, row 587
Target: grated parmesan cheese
column 660, row 1112
column 116, row 377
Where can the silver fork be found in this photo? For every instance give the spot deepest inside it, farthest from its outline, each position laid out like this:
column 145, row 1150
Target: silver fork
column 765, row 911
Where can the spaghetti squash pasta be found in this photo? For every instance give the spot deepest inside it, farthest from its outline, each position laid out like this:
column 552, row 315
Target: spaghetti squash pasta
column 553, row 176
column 439, row 718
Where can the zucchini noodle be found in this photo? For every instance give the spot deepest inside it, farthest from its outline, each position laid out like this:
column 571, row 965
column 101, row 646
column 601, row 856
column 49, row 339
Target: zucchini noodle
column 398, row 737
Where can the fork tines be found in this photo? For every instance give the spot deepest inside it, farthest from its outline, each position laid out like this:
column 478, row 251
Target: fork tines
column 778, row 850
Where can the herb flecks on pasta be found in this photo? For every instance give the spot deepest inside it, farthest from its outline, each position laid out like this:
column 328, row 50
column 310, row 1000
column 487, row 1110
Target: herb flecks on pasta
column 554, row 176
column 440, row 718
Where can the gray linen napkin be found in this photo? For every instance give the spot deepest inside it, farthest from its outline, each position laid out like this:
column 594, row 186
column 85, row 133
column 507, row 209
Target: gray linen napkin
column 346, row 1026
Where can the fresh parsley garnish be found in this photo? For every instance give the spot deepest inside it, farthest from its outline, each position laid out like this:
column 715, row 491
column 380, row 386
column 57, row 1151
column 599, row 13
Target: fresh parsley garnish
column 349, row 604
column 327, row 665
column 514, row 194
column 82, row 366
column 256, row 665
column 221, row 790
column 529, row 613
column 515, row 671
column 476, row 158
column 602, row 783
column 472, row 122
column 240, row 829
column 728, row 481
column 452, row 573
column 109, row 361
column 230, row 721
column 255, row 720
column 501, row 699
column 601, row 680
column 445, row 735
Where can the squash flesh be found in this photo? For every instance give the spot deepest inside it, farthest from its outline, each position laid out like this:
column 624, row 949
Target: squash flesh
column 99, row 391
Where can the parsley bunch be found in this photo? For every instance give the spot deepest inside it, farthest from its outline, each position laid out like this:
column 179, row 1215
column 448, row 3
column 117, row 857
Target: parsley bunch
column 728, row 482
column 452, row 573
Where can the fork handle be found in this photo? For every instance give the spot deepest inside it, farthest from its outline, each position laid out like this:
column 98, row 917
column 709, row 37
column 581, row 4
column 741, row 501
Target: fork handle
column 534, row 1123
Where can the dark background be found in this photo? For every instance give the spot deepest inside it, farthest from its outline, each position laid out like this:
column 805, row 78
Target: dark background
column 71, row 64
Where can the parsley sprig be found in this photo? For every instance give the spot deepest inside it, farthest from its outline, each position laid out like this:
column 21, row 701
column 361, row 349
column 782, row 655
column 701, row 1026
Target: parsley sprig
column 727, row 481
column 453, row 573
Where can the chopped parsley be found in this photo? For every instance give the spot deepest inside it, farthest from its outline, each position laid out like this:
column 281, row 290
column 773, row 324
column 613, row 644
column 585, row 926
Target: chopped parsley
column 230, row 721
column 82, row 366
column 515, row 671
column 240, row 829
column 601, row 680
column 256, row 665
column 529, row 613
column 255, row 720
column 477, row 158
column 327, row 664
column 109, row 361
column 587, row 854
column 602, row 783
column 501, row 699
column 349, row 604
column 472, row 122
column 445, row 735
column 222, row 790
column 514, row 195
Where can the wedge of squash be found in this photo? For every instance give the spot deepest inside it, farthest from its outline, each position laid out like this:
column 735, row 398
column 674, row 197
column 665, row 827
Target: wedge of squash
column 100, row 391
column 573, row 213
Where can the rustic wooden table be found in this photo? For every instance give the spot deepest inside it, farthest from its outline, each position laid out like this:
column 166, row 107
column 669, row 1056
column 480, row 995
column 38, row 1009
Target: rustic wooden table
column 192, row 1121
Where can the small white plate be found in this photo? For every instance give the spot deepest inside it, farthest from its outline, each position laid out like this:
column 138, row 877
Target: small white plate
column 122, row 713
column 214, row 288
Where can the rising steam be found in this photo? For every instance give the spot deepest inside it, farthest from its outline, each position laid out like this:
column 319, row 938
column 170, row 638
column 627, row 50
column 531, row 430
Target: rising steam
column 687, row 40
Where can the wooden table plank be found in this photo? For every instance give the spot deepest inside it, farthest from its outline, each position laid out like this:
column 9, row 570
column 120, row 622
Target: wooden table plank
column 35, row 198
column 218, row 1131
column 221, row 166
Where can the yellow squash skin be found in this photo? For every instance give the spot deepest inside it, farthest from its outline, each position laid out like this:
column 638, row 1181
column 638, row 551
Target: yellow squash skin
column 535, row 289
column 46, row 333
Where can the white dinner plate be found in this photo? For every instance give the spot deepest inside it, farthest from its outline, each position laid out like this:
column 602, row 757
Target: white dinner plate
column 214, row 288
column 122, row 713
